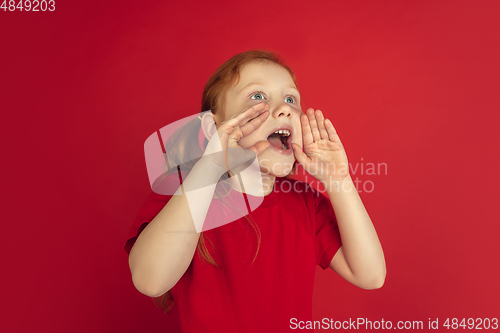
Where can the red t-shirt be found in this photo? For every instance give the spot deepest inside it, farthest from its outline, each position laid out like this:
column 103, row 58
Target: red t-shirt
column 298, row 230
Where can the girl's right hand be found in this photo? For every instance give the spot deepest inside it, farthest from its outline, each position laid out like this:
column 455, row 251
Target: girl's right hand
column 223, row 149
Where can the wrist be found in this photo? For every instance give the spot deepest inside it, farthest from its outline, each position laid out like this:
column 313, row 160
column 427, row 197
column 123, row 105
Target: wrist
column 337, row 185
column 209, row 168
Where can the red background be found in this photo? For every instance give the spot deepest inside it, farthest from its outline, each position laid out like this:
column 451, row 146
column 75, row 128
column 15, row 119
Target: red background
column 413, row 84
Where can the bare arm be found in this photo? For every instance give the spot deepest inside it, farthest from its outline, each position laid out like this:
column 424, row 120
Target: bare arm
column 360, row 259
column 164, row 249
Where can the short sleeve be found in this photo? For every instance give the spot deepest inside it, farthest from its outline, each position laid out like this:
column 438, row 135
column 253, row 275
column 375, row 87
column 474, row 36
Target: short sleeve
column 327, row 240
column 153, row 205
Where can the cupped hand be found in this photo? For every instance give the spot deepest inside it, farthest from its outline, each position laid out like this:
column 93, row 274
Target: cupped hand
column 324, row 156
column 223, row 149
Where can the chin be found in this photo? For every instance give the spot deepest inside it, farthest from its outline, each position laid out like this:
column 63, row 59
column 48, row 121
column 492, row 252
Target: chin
column 278, row 166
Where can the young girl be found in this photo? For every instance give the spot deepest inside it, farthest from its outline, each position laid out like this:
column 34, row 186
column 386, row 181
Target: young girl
column 256, row 273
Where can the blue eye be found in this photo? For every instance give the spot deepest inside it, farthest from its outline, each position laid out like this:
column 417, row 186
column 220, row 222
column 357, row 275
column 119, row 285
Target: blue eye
column 290, row 99
column 256, row 95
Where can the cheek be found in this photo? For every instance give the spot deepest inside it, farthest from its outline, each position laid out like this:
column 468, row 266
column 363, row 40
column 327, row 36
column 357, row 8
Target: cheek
column 278, row 169
column 265, row 163
column 297, row 136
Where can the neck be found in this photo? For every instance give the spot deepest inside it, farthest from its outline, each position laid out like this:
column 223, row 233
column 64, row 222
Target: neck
column 252, row 187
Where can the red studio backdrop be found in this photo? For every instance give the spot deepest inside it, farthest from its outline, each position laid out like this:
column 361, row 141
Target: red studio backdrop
column 411, row 86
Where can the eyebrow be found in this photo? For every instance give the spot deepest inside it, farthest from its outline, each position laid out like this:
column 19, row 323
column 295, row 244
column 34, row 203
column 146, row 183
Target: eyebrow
column 262, row 84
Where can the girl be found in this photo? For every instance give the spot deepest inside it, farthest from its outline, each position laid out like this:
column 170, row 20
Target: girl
column 240, row 282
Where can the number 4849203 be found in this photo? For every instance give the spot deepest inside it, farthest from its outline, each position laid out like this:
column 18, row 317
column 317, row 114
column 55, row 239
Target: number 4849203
column 29, row 5
column 471, row 323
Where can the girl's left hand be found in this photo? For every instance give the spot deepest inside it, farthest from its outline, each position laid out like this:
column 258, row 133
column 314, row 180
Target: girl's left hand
column 324, row 156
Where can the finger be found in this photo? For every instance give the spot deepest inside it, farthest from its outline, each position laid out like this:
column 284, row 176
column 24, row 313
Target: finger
column 230, row 127
column 248, row 113
column 260, row 147
column 299, row 155
column 313, row 124
column 254, row 123
column 257, row 113
column 332, row 133
column 307, row 136
column 234, row 137
column 238, row 132
column 323, row 133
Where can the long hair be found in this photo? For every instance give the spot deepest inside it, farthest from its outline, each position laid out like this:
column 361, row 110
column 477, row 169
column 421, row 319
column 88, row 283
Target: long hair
column 183, row 149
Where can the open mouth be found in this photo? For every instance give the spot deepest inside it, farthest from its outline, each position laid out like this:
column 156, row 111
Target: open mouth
column 281, row 139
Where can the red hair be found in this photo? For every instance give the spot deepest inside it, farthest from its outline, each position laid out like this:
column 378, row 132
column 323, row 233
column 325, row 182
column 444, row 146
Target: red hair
column 227, row 75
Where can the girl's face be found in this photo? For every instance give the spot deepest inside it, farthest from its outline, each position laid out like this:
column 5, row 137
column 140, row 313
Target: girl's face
column 272, row 84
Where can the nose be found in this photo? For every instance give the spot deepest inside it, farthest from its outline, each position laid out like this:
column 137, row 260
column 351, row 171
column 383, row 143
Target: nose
column 282, row 110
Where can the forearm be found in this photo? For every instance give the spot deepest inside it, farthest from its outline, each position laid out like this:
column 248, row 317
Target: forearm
column 360, row 244
column 165, row 248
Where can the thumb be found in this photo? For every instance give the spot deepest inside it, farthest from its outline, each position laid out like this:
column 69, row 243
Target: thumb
column 299, row 154
column 260, row 147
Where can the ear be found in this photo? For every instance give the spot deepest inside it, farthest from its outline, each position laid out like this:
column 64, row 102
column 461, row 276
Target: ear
column 208, row 125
